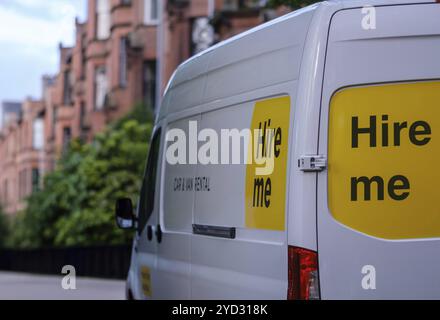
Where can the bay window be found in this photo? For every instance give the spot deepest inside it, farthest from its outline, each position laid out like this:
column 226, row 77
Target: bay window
column 102, row 19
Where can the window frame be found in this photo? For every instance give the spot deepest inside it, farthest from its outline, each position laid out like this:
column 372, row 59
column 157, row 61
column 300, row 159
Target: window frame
column 123, row 62
column 148, row 16
column 100, row 87
column 35, row 176
column 103, row 19
column 149, row 86
column 67, row 137
column 38, row 133
column 147, row 202
column 67, row 88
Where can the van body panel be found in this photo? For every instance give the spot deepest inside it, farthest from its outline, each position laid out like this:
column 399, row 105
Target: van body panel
column 306, row 56
column 267, row 63
column 254, row 57
column 222, row 205
column 405, row 49
column 173, row 267
column 241, row 267
column 145, row 269
column 145, row 253
column 175, row 221
column 302, row 191
column 177, row 207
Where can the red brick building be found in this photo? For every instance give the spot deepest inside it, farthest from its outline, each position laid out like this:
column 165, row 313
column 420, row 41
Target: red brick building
column 21, row 147
column 124, row 54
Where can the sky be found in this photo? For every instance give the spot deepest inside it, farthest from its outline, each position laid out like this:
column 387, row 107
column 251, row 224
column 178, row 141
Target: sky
column 30, row 31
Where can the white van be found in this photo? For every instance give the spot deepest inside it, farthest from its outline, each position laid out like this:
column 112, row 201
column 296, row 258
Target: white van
column 351, row 92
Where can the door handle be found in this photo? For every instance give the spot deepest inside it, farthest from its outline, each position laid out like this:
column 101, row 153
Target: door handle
column 159, row 234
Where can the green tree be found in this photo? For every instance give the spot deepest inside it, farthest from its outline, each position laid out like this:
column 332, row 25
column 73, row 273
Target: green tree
column 76, row 205
column 112, row 170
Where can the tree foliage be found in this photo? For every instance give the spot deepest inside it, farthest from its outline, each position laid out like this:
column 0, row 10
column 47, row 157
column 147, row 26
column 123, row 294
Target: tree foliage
column 76, row 205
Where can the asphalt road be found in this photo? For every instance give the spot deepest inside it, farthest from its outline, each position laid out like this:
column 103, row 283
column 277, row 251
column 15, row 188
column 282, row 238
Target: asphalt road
column 16, row 286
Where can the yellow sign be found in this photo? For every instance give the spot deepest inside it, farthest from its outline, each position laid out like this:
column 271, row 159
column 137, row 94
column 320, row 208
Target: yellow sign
column 146, row 281
column 384, row 144
column 265, row 195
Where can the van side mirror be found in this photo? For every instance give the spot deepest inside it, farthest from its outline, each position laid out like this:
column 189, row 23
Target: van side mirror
column 125, row 218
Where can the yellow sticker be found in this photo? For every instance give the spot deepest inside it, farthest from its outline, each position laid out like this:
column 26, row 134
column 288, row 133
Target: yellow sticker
column 146, row 281
column 265, row 195
column 384, row 143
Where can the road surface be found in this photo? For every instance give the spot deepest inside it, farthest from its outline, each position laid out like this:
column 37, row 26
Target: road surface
column 17, row 286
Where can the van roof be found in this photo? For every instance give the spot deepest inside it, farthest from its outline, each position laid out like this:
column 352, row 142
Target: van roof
column 203, row 63
column 176, row 80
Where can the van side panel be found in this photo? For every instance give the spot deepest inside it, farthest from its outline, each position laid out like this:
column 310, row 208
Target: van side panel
column 259, row 67
column 173, row 269
column 374, row 78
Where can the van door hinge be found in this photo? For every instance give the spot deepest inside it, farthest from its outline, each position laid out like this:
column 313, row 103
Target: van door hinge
column 312, row 163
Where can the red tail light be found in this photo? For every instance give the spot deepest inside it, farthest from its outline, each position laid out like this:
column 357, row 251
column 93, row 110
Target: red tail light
column 303, row 274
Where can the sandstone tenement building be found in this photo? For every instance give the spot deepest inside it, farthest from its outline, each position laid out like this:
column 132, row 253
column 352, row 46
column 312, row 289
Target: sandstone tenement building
column 123, row 54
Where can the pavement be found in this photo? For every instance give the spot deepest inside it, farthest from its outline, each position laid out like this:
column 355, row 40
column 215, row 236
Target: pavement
column 20, row 286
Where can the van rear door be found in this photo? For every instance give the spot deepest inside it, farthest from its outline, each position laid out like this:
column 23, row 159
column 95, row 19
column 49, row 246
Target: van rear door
column 378, row 212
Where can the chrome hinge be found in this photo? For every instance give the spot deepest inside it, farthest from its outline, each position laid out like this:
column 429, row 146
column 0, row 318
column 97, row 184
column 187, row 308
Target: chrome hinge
column 312, row 163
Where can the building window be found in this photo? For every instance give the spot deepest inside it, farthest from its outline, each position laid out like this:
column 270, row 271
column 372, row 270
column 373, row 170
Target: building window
column 123, row 62
column 149, row 83
column 151, row 11
column 202, row 35
column 233, row 5
column 54, row 121
column 67, row 136
column 148, row 189
column 67, row 91
column 83, row 122
column 83, row 56
column 102, row 19
column 24, row 188
column 38, row 134
column 21, row 184
column 100, row 87
column 230, row 5
column 82, row 116
column 5, row 192
column 35, row 179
